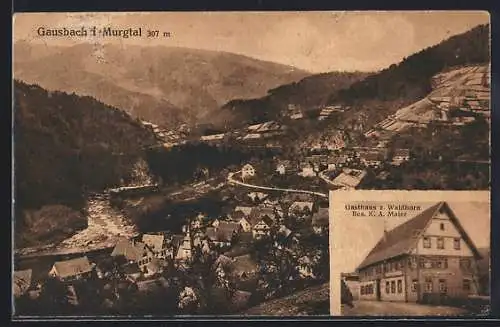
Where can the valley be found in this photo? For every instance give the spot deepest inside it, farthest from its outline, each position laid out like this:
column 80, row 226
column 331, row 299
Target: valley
column 209, row 172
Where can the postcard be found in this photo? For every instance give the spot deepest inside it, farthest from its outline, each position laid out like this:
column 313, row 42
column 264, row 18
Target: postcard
column 179, row 163
column 410, row 253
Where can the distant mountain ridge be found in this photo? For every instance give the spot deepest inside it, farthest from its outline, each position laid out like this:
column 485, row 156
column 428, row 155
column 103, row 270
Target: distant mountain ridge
column 165, row 85
column 373, row 95
column 412, row 77
column 311, row 91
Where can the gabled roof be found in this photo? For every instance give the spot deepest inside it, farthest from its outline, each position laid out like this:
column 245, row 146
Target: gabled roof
column 285, row 231
column 132, row 251
column 402, row 239
column 21, row 281
column 260, row 212
column 229, row 226
column 219, row 234
column 257, row 195
column 245, row 210
column 238, row 215
column 266, row 220
column 223, row 261
column 154, row 241
column 72, row 267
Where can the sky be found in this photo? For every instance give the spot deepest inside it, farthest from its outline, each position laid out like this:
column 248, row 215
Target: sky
column 313, row 41
column 471, row 208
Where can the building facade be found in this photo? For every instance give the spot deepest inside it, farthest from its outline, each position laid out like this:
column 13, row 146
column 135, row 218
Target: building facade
column 428, row 259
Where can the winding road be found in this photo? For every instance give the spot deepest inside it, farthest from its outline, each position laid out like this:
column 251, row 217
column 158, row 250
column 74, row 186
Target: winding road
column 231, row 180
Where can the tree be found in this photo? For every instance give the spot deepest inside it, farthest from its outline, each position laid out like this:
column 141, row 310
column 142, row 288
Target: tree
column 54, row 297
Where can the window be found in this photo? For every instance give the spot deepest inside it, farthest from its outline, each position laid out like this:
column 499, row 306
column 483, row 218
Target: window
column 412, row 262
column 362, row 290
column 393, row 286
column 456, row 243
column 440, row 243
column 387, row 287
column 466, row 285
column 465, row 263
column 421, row 262
column 438, row 264
column 427, row 242
column 428, row 285
column 442, row 286
column 441, row 226
column 414, row 285
column 400, row 286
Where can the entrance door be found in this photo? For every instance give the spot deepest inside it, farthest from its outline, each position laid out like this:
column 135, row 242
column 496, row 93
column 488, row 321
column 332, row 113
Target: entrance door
column 377, row 289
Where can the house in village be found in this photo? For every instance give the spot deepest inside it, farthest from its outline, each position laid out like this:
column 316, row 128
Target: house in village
column 336, row 162
column 73, row 269
column 262, row 220
column 283, row 167
column 21, row 282
column 243, row 209
column 243, row 220
column 257, row 196
column 133, row 252
column 157, row 243
column 224, row 234
column 430, row 258
column 263, row 227
column 306, row 169
column 301, row 208
column 240, row 212
column 371, row 159
column 185, row 249
column 212, row 137
column 320, row 221
column 349, row 178
column 400, row 156
column 247, row 171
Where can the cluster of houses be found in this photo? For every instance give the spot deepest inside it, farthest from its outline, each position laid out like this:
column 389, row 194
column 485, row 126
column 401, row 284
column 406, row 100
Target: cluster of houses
column 327, row 111
column 294, row 112
column 144, row 258
column 168, row 138
column 458, row 97
column 262, row 131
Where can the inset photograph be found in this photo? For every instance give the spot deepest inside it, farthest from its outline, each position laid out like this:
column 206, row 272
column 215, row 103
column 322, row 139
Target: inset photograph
column 410, row 253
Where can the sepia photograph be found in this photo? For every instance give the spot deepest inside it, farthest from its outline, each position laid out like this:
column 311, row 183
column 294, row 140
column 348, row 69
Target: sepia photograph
column 180, row 163
column 410, row 253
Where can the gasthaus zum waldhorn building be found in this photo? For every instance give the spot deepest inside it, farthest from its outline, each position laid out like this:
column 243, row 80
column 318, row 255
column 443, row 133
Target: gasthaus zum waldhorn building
column 429, row 259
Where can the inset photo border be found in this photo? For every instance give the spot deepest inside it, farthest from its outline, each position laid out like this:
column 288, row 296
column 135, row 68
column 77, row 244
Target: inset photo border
column 410, row 253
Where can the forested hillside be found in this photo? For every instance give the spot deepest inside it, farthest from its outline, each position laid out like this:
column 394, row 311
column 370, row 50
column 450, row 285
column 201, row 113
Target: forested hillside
column 66, row 146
